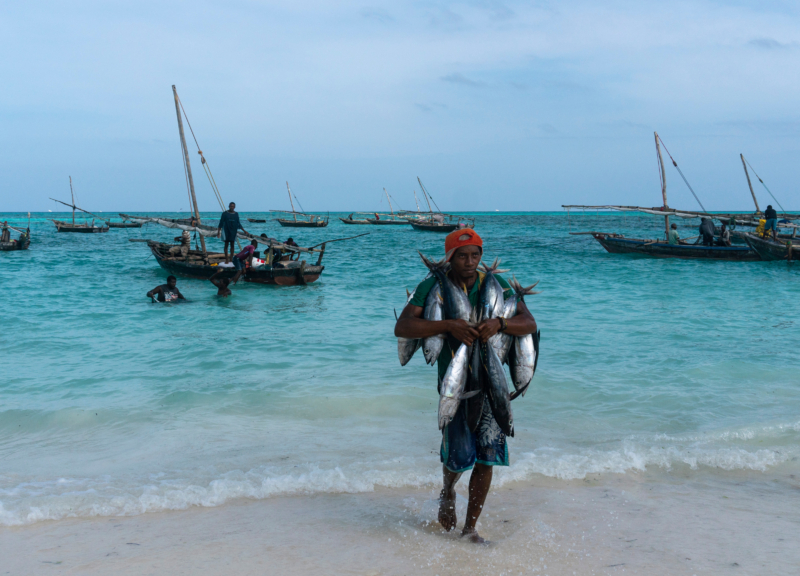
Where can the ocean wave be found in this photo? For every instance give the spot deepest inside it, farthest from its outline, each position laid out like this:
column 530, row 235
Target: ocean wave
column 32, row 502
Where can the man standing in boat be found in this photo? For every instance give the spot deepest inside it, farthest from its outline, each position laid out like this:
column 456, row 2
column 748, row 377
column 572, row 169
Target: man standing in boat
column 462, row 448
column 229, row 225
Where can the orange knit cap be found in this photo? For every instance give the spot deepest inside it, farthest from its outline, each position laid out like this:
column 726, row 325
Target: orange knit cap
column 459, row 238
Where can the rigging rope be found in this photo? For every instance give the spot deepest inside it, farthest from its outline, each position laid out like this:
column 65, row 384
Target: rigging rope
column 765, row 186
column 682, row 176
column 206, row 167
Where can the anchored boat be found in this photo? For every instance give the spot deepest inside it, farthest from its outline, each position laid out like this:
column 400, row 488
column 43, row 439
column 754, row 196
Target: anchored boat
column 78, row 227
column 306, row 220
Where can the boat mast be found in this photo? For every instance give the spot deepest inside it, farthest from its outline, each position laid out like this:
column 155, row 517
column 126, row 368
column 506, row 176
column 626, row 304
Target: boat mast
column 753, row 194
column 290, row 201
column 188, row 168
column 416, row 201
column 425, row 194
column 663, row 184
column 73, row 200
column 390, row 203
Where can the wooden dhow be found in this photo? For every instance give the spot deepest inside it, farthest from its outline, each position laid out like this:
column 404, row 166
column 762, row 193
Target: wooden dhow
column 306, row 220
column 282, row 264
column 77, row 227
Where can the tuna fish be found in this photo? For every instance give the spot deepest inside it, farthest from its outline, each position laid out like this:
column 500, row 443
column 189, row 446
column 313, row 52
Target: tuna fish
column 497, row 390
column 453, row 386
column 503, row 343
column 432, row 346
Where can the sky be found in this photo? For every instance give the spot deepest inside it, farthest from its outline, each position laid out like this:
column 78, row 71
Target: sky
column 510, row 106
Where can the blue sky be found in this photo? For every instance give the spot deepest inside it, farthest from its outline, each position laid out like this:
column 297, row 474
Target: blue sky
column 495, row 105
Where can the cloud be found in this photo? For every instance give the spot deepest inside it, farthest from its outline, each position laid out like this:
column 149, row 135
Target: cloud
column 767, row 43
column 458, row 78
column 378, row 15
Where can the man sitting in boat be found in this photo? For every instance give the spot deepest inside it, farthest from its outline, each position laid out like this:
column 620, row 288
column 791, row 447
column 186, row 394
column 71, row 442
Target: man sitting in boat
column 167, row 292
column 186, row 243
column 673, row 234
column 290, row 242
column 229, row 225
column 6, row 235
column 724, row 236
column 463, row 449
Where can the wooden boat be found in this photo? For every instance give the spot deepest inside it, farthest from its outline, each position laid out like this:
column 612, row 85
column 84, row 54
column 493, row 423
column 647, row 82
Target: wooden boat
column 437, row 221
column 79, row 228
column 771, row 250
column 203, row 266
column 256, row 221
column 355, row 221
column 390, row 219
column 618, row 244
column 124, row 224
column 84, row 228
column 660, row 248
column 302, row 223
column 13, row 245
column 308, row 221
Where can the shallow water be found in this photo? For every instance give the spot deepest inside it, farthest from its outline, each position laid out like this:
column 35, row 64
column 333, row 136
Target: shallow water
column 110, row 404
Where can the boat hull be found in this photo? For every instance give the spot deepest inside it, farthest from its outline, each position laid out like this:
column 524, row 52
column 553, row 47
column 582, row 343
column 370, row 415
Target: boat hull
column 301, row 224
column 13, row 246
column 78, row 229
column 124, row 224
column 256, row 221
column 388, row 222
column 291, row 276
column 619, row 245
column 434, row 227
column 771, row 250
column 356, row 222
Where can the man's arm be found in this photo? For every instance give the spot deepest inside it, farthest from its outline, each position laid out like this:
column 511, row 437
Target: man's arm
column 180, row 296
column 154, row 291
column 411, row 324
column 520, row 325
column 214, row 280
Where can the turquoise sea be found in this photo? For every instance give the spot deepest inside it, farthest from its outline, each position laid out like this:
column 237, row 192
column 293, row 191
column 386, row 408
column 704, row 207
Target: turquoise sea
column 110, row 404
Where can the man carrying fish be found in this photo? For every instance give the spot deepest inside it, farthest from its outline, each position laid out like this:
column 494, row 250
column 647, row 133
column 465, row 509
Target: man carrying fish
column 479, row 319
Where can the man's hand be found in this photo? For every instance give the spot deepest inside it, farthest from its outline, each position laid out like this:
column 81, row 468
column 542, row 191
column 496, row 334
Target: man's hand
column 462, row 331
column 489, row 328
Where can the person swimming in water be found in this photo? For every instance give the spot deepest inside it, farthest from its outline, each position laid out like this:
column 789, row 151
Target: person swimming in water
column 166, row 292
column 221, row 284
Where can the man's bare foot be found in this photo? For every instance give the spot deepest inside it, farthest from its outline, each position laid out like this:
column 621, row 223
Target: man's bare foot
column 447, row 510
column 472, row 535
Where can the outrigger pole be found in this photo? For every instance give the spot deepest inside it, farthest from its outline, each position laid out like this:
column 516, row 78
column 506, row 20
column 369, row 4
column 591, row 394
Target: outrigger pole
column 188, row 168
column 663, row 184
column 747, row 174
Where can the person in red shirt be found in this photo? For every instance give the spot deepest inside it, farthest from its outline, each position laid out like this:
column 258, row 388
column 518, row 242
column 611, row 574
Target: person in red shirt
column 243, row 259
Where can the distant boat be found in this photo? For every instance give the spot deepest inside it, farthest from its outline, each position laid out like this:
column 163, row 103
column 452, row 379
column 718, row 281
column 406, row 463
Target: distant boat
column 306, row 221
column 84, row 228
column 661, row 248
column 437, row 221
column 390, row 219
column 22, row 243
column 351, row 220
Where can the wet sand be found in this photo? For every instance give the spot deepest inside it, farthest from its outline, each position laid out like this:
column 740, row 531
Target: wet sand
column 680, row 522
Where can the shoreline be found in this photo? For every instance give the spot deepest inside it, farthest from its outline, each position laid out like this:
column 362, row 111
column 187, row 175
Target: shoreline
column 680, row 521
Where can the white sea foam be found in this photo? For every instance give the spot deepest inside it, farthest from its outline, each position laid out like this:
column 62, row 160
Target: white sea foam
column 31, row 502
